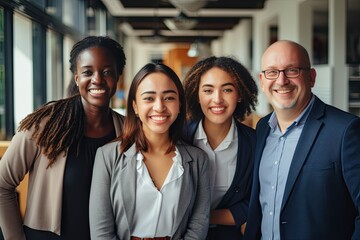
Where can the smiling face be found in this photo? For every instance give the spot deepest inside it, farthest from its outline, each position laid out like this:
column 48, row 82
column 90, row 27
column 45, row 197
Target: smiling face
column 218, row 96
column 157, row 103
column 96, row 77
column 287, row 94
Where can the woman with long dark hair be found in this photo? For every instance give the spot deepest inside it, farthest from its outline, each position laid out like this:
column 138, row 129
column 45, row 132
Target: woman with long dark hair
column 150, row 185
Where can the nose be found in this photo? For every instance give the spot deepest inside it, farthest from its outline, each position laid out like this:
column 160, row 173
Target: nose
column 282, row 79
column 96, row 78
column 159, row 105
column 218, row 97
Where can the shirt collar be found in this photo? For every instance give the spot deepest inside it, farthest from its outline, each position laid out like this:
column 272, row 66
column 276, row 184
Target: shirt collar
column 140, row 159
column 230, row 137
column 273, row 122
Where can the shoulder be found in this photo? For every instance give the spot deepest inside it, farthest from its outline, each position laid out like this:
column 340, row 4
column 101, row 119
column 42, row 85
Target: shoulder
column 245, row 129
column 192, row 154
column 109, row 151
column 263, row 122
column 191, row 149
column 189, row 131
column 117, row 115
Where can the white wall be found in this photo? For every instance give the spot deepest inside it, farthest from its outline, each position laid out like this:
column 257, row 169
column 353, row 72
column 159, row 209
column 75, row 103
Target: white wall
column 139, row 54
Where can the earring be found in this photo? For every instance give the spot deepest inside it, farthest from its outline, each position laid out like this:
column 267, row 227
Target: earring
column 77, row 84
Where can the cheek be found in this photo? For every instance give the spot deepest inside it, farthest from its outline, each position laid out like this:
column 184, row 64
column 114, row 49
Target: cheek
column 204, row 99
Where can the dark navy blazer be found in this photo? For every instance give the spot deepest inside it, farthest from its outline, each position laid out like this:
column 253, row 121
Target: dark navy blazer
column 322, row 193
column 237, row 197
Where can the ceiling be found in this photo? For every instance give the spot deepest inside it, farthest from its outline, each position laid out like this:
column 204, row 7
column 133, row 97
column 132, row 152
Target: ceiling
column 156, row 20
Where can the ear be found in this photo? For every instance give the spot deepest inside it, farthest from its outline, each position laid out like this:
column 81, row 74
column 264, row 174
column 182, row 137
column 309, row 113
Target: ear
column 312, row 77
column 261, row 79
column 135, row 107
column 76, row 79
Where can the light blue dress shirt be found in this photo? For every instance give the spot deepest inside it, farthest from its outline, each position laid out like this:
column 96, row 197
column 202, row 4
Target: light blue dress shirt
column 274, row 169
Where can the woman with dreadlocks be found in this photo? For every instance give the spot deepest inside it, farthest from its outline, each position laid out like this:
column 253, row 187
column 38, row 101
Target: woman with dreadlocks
column 57, row 143
column 220, row 92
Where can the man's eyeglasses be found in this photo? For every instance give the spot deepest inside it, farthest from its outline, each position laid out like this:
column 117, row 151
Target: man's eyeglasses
column 273, row 74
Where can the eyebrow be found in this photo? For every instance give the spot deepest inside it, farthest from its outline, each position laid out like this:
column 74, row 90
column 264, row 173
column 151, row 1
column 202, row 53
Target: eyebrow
column 224, row 85
column 291, row 65
column 92, row 66
column 154, row 92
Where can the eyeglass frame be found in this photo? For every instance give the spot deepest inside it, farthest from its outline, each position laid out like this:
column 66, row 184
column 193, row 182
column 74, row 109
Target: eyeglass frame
column 283, row 70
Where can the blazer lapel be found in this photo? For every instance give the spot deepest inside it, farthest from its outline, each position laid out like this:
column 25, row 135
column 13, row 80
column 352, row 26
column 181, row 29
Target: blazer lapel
column 187, row 187
column 128, row 182
column 307, row 138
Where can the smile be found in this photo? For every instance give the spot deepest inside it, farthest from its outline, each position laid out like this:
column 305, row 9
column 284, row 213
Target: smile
column 159, row 118
column 283, row 91
column 217, row 109
column 97, row 91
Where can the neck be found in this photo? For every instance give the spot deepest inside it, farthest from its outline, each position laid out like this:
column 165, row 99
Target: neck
column 98, row 124
column 216, row 133
column 158, row 143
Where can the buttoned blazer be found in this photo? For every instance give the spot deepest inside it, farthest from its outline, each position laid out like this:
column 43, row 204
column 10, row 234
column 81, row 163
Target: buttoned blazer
column 113, row 194
column 236, row 199
column 322, row 193
column 45, row 185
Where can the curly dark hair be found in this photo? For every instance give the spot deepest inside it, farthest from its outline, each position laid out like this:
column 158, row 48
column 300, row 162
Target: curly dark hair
column 64, row 123
column 245, row 84
column 132, row 129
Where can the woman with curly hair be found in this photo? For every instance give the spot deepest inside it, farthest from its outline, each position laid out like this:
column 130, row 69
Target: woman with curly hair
column 56, row 145
column 220, row 93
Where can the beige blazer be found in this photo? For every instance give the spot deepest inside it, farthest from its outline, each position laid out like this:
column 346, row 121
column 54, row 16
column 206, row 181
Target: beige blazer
column 44, row 197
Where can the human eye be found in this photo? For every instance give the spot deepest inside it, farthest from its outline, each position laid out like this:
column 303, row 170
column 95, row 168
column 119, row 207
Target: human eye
column 207, row 90
column 108, row 73
column 228, row 90
column 148, row 98
column 170, row 98
column 86, row 72
column 292, row 71
column 271, row 72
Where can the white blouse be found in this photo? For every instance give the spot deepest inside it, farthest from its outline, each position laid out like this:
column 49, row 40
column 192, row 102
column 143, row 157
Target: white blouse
column 222, row 161
column 155, row 210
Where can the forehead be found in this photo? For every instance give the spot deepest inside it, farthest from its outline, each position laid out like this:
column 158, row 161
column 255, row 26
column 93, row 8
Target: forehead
column 216, row 77
column 157, row 82
column 283, row 55
column 96, row 54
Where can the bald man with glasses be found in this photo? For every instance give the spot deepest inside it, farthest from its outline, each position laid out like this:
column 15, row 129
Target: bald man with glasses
column 307, row 163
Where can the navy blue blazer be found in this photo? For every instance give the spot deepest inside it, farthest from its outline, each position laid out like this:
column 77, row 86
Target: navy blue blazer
column 236, row 199
column 322, row 193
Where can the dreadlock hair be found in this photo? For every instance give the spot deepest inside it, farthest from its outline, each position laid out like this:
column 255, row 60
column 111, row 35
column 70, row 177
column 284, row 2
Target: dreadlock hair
column 64, row 124
column 132, row 131
column 244, row 82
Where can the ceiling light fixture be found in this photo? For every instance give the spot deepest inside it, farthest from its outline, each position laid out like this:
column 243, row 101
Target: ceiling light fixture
column 181, row 22
column 189, row 5
column 193, row 50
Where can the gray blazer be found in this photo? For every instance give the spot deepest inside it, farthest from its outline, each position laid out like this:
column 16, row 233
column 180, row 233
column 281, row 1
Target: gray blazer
column 113, row 189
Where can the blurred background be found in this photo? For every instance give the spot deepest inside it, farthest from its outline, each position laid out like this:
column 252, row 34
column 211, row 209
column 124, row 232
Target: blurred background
column 36, row 37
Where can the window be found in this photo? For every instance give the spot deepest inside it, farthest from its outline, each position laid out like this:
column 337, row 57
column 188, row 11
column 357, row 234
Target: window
column 2, row 77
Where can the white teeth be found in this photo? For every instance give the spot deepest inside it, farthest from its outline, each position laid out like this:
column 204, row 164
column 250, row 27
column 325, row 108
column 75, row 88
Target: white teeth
column 97, row 91
column 283, row 91
column 159, row 118
column 218, row 109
